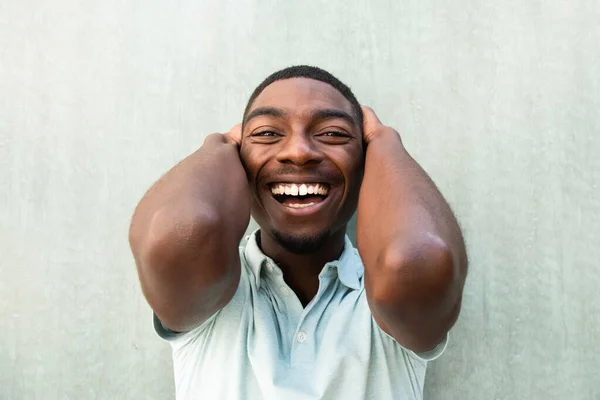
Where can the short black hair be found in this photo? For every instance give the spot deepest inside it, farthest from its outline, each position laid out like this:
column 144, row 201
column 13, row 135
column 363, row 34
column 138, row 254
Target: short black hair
column 310, row 72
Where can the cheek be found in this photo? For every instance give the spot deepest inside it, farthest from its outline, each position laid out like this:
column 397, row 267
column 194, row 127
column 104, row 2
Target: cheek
column 354, row 175
column 352, row 165
column 250, row 161
column 359, row 171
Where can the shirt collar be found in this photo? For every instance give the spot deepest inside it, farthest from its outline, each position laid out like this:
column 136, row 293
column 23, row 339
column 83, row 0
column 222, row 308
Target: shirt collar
column 348, row 267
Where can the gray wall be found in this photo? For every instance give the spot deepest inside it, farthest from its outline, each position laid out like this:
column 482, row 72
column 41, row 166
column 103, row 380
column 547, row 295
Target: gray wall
column 499, row 102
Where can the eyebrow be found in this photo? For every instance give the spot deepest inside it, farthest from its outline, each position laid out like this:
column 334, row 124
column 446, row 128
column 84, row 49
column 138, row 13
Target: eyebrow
column 320, row 114
column 268, row 111
column 330, row 113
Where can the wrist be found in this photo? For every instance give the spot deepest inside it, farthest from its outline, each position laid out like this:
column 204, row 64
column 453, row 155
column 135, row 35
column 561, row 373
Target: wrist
column 215, row 138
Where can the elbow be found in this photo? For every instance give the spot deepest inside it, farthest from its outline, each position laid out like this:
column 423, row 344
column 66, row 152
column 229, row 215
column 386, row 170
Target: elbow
column 421, row 274
column 184, row 270
column 417, row 292
column 169, row 239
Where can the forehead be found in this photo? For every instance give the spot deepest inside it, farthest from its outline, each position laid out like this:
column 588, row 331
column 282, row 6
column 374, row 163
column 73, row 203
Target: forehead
column 300, row 94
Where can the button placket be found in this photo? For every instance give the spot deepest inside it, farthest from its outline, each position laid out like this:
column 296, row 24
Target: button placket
column 302, row 350
column 303, row 341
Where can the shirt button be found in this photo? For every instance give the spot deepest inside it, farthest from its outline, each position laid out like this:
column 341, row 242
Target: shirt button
column 301, row 337
column 269, row 267
column 284, row 290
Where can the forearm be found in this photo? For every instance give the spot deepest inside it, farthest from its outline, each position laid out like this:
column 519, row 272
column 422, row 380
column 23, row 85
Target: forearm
column 185, row 232
column 409, row 239
column 399, row 206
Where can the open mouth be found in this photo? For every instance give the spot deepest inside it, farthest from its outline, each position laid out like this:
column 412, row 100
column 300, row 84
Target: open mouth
column 300, row 195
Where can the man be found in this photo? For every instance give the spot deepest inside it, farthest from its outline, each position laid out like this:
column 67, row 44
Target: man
column 294, row 314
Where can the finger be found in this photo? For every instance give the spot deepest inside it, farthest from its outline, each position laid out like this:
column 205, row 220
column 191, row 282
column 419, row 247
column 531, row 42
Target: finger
column 370, row 118
column 235, row 134
column 236, row 127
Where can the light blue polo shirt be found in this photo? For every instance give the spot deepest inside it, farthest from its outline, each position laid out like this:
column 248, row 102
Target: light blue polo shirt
column 265, row 345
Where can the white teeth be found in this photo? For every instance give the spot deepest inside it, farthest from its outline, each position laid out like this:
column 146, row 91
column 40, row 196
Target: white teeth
column 292, row 189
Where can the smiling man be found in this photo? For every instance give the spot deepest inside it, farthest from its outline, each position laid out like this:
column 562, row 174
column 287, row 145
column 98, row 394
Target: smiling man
column 297, row 312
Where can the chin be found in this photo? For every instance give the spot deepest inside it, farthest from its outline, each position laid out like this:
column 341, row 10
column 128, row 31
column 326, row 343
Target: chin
column 301, row 243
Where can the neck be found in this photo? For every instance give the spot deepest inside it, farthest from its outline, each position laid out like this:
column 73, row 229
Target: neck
column 301, row 271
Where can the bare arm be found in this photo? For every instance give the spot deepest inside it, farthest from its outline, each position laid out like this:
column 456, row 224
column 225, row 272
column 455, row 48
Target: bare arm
column 410, row 242
column 185, row 233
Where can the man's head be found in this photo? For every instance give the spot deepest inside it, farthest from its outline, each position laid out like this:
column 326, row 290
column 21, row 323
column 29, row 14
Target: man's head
column 302, row 148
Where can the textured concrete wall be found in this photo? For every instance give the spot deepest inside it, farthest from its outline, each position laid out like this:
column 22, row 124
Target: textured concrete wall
column 498, row 100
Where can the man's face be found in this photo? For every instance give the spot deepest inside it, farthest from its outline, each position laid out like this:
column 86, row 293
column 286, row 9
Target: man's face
column 302, row 150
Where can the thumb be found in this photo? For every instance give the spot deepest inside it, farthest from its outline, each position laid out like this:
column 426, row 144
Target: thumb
column 234, row 136
column 371, row 123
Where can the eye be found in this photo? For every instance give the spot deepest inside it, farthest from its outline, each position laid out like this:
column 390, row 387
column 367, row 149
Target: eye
column 335, row 134
column 266, row 134
column 265, row 137
column 334, row 137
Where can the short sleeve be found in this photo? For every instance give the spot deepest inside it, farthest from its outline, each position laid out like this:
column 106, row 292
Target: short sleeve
column 163, row 331
column 169, row 335
column 424, row 356
column 433, row 353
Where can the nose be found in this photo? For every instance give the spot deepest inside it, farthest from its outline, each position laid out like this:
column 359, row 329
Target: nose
column 299, row 149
